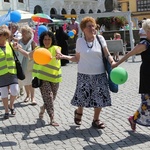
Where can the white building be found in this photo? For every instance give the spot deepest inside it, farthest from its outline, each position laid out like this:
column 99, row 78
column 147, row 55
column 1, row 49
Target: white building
column 54, row 7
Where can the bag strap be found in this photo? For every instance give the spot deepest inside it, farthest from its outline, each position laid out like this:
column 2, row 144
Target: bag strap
column 100, row 45
column 15, row 56
column 103, row 55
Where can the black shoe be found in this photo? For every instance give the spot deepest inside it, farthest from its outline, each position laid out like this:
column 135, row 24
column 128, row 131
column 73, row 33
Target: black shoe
column 13, row 112
column 6, row 116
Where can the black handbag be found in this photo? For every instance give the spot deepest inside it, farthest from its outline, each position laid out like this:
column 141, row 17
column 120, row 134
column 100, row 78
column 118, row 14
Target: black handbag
column 36, row 82
column 112, row 86
column 20, row 72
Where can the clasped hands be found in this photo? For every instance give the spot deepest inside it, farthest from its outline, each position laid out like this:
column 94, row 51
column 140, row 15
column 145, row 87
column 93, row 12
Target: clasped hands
column 16, row 46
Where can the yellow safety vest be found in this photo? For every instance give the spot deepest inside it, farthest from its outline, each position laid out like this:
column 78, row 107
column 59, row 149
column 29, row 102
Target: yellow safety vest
column 7, row 63
column 51, row 71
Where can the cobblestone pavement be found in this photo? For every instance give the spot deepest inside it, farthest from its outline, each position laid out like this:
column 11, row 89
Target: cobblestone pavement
column 27, row 132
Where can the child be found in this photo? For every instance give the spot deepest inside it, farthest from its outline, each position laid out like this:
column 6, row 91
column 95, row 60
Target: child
column 117, row 36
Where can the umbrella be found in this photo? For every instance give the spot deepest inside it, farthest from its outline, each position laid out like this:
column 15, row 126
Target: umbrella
column 40, row 17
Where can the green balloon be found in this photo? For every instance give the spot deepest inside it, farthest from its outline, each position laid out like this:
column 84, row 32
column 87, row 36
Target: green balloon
column 118, row 75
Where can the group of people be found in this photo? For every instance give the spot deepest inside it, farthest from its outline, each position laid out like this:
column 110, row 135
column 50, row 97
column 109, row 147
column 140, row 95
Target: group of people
column 92, row 89
column 92, row 83
column 50, row 74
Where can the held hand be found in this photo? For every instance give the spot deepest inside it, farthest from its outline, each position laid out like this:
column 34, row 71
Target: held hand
column 114, row 64
column 59, row 56
column 30, row 55
column 16, row 46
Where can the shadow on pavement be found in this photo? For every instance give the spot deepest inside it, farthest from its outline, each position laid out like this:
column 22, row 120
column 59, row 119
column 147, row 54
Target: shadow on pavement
column 134, row 138
column 26, row 129
column 8, row 144
column 84, row 134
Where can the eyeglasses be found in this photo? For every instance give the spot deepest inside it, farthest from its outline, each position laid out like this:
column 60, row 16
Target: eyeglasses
column 1, row 34
column 90, row 26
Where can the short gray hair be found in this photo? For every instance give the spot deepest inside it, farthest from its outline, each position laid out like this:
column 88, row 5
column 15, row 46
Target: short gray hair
column 146, row 25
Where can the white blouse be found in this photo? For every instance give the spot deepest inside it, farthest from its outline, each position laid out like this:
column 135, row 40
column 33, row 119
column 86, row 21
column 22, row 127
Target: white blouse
column 90, row 58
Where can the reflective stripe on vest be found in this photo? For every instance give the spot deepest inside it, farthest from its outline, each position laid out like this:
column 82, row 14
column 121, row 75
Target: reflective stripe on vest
column 7, row 63
column 50, row 72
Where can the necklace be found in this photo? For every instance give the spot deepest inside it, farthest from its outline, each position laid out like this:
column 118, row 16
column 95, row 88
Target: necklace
column 87, row 43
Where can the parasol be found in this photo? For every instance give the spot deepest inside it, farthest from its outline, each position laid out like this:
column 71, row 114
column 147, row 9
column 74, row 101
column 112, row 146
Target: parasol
column 40, row 17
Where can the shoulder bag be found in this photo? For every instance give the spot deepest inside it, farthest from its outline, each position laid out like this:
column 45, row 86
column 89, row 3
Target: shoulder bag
column 112, row 86
column 36, row 82
column 20, row 72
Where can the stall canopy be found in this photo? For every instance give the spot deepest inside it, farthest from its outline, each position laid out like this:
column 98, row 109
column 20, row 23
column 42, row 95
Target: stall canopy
column 25, row 16
column 111, row 14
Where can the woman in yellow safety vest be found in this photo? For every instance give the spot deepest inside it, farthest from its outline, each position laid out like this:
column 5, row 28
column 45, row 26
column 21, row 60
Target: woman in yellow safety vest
column 49, row 74
column 8, row 77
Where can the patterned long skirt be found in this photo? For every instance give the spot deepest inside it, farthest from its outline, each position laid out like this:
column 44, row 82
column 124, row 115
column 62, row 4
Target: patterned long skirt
column 142, row 115
column 91, row 91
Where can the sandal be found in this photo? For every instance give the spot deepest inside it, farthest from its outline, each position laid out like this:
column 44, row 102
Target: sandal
column 77, row 121
column 97, row 124
column 12, row 110
column 33, row 103
column 26, row 99
column 132, row 123
column 6, row 116
column 53, row 123
column 42, row 111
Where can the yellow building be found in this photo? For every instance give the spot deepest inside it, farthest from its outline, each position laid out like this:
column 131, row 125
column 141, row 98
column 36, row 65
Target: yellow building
column 139, row 8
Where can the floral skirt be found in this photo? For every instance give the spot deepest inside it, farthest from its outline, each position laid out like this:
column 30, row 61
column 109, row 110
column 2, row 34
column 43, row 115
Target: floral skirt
column 91, row 91
column 142, row 115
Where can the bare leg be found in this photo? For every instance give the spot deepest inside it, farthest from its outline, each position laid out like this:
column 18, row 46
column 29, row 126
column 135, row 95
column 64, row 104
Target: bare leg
column 97, row 113
column 11, row 105
column 27, row 93
column 31, row 90
column 80, row 110
column 96, row 122
column 5, row 103
column 12, row 100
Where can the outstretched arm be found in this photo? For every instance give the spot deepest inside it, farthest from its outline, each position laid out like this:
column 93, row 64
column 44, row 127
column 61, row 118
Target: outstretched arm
column 74, row 58
column 136, row 50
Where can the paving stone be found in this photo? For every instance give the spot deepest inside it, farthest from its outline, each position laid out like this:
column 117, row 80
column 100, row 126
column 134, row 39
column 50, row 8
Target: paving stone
column 26, row 132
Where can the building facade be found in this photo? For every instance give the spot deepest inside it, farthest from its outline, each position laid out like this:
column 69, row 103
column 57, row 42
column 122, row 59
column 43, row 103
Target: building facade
column 55, row 7
column 140, row 8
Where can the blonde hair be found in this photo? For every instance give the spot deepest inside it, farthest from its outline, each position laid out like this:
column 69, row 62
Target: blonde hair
column 146, row 25
column 5, row 31
column 85, row 21
column 117, row 35
column 27, row 29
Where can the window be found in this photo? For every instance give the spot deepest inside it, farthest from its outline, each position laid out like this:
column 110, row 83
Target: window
column 20, row 1
column 120, row 6
column 6, row 1
column 143, row 5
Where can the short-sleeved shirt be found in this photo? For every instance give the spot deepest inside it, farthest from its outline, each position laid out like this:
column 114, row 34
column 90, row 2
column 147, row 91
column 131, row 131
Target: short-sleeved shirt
column 18, row 35
column 141, row 31
column 91, row 61
column 74, row 26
